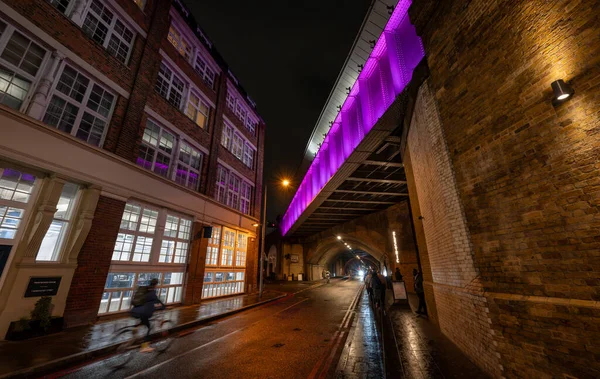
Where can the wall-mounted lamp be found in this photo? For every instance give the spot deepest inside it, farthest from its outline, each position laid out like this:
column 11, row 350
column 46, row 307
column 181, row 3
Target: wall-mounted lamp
column 339, row 237
column 562, row 91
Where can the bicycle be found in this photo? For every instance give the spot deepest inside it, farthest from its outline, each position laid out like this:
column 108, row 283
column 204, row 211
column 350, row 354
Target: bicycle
column 129, row 340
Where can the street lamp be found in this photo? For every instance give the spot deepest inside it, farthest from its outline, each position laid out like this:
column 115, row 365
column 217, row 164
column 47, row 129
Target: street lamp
column 263, row 225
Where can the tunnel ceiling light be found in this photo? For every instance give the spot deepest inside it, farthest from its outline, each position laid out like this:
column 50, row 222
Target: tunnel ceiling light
column 339, row 237
column 562, row 91
column 396, row 247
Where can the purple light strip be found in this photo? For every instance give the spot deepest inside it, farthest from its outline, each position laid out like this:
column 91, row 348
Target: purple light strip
column 386, row 73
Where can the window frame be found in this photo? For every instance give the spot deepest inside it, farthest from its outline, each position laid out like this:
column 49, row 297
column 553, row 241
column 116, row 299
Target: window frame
column 177, row 239
column 137, row 233
column 5, row 37
column 197, row 108
column 246, row 190
column 249, row 155
column 82, row 105
column 220, row 188
column 170, row 86
column 208, row 75
column 213, row 248
column 111, row 29
column 187, row 166
column 178, row 39
column 25, row 207
column 157, row 150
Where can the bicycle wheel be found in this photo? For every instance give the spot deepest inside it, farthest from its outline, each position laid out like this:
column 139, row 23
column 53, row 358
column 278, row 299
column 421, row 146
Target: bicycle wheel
column 126, row 339
column 166, row 338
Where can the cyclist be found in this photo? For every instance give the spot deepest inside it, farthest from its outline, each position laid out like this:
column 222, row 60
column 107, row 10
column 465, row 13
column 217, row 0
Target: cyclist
column 145, row 301
column 327, row 275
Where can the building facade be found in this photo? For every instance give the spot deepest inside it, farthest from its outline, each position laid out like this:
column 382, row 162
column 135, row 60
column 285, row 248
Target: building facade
column 129, row 152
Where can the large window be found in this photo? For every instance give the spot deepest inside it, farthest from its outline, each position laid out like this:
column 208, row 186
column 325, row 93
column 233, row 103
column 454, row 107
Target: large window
column 15, row 193
column 207, row 74
column 237, row 145
column 136, row 234
column 226, row 136
column 120, row 287
column 197, row 110
column 189, row 166
column 170, row 86
column 101, row 25
column 248, row 158
column 231, row 190
column 20, row 62
column 180, row 43
column 224, row 280
column 63, row 6
column 239, row 108
column 176, row 237
column 214, row 242
column 55, row 236
column 79, row 106
column 156, row 151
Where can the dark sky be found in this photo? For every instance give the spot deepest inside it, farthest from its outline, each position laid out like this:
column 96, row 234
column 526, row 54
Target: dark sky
column 287, row 56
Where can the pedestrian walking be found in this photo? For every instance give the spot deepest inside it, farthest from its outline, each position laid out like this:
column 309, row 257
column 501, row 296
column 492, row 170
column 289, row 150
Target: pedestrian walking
column 398, row 274
column 422, row 310
column 378, row 286
column 368, row 280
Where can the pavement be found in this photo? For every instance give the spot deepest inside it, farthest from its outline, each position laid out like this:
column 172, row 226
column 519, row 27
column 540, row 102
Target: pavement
column 37, row 356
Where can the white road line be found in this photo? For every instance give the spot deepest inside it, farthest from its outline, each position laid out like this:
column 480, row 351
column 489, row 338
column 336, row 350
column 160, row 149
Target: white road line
column 208, row 343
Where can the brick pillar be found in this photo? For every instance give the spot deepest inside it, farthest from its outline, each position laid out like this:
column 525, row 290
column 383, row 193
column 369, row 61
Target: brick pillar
column 196, row 265
column 93, row 263
column 216, row 128
column 145, row 79
column 252, row 265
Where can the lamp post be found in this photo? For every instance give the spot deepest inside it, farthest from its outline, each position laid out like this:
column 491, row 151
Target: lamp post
column 263, row 224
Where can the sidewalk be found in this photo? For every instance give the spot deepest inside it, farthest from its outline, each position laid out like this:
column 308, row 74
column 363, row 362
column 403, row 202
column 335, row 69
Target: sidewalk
column 44, row 354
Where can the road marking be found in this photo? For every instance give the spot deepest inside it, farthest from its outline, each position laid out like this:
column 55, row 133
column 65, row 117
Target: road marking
column 208, row 343
column 335, row 341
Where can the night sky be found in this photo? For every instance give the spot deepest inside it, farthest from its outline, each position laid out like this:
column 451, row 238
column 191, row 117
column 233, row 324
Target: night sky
column 287, row 56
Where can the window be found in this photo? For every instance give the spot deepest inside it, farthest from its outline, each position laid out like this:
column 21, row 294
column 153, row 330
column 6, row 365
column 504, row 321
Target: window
column 248, row 156
column 207, row 74
column 241, row 248
column 120, row 287
column 101, row 25
column 55, row 236
column 80, row 107
column 245, row 198
column 237, row 146
column 15, row 192
column 156, row 151
column 61, row 5
column 226, row 136
column 233, row 193
column 20, row 61
column 230, row 101
column 197, row 110
column 227, row 247
column 212, row 250
column 221, row 186
column 251, row 125
column 138, row 226
column 219, row 283
column 180, row 43
column 189, row 166
column 176, row 237
column 170, row 86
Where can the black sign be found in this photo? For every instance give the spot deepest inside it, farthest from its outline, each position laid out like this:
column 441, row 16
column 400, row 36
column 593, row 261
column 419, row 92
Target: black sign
column 4, row 253
column 42, row 287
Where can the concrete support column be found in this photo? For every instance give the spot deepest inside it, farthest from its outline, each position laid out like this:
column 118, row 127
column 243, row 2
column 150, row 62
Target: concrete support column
column 46, row 207
column 196, row 266
column 40, row 97
column 83, row 224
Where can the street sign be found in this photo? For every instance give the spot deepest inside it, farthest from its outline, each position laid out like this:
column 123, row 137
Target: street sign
column 43, row 287
column 399, row 290
column 295, row 258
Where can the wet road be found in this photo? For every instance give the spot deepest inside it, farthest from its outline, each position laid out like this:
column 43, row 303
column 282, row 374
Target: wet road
column 296, row 337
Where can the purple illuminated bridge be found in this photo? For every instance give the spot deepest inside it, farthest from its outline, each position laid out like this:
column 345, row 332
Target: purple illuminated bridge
column 384, row 76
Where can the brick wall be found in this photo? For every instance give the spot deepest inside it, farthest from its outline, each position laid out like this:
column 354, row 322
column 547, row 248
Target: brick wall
column 461, row 308
column 93, row 263
column 527, row 171
column 196, row 266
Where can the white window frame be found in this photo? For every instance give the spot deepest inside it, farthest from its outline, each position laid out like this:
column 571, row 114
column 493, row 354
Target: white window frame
column 231, row 100
column 140, row 234
column 175, row 242
column 68, row 9
column 246, row 190
column 233, row 193
column 237, row 145
column 111, row 28
column 157, row 150
column 196, row 108
column 249, row 154
column 213, row 247
column 17, row 71
column 178, row 40
column 222, row 184
column 163, row 81
column 226, row 136
column 241, row 249
column 23, row 206
column 187, row 166
column 82, row 105
column 227, row 250
column 205, row 71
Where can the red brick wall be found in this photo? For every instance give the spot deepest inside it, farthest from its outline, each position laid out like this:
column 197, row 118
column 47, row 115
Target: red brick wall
column 93, row 263
column 527, row 171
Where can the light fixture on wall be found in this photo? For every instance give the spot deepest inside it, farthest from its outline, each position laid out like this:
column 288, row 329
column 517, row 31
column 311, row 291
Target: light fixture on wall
column 339, row 237
column 562, row 91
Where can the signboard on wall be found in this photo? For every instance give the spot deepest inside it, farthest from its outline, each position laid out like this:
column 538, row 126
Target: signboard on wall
column 4, row 253
column 38, row 287
column 294, row 258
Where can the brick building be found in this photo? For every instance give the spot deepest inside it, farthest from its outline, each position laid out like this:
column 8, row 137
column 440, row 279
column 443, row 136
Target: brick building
column 129, row 152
